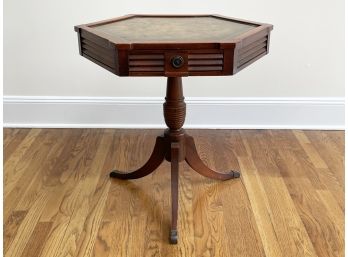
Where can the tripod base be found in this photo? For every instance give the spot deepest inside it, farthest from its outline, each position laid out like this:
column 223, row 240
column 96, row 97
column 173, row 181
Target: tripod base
column 175, row 152
column 175, row 146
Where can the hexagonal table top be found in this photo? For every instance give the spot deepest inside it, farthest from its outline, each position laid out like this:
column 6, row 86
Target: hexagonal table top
column 170, row 29
column 174, row 45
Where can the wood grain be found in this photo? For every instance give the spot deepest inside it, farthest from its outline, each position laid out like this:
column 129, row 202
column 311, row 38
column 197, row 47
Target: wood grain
column 11, row 227
column 12, row 139
column 59, row 200
column 37, row 239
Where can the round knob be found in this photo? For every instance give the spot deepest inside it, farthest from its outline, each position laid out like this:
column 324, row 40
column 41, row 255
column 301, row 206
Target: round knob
column 177, row 61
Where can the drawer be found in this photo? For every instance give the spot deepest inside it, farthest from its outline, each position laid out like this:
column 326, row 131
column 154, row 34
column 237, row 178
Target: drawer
column 175, row 63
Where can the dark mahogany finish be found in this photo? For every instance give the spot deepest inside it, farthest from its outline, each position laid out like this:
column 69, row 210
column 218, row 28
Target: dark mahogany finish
column 174, row 46
column 220, row 46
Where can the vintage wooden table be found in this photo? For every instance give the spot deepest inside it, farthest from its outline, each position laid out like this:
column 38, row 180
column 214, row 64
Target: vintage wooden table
column 174, row 46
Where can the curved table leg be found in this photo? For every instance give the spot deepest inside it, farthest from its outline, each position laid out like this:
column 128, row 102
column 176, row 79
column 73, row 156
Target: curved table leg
column 154, row 161
column 173, row 237
column 195, row 162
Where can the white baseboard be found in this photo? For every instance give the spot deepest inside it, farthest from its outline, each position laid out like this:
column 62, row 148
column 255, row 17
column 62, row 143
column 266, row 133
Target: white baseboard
column 146, row 112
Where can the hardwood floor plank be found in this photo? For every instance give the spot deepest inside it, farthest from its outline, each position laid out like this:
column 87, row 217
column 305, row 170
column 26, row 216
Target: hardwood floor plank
column 313, row 155
column 37, row 239
column 241, row 230
column 9, row 134
column 11, row 162
column 38, row 184
column 337, row 137
column 329, row 152
column 104, row 240
column 221, row 217
column 290, row 230
column 154, row 234
column 70, row 183
column 303, row 167
column 313, row 211
column 89, row 234
column 93, row 220
column 131, row 209
column 334, row 212
column 260, row 207
column 11, row 227
column 232, row 143
column 58, row 177
column 31, row 162
column 246, row 244
column 318, row 223
column 115, row 205
column 84, row 200
column 19, row 152
column 12, row 140
column 208, row 214
column 186, row 212
column 27, row 227
column 281, row 139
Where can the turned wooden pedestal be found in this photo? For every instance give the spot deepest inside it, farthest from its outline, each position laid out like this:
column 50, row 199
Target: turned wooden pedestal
column 174, row 146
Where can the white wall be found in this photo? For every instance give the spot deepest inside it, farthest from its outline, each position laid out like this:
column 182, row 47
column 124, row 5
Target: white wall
column 306, row 54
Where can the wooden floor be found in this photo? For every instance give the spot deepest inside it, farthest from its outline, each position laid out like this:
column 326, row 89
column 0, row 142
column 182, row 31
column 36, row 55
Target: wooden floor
column 59, row 200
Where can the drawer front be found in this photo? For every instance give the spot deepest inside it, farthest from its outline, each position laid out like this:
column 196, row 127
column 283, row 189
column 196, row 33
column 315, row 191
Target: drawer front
column 176, row 63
